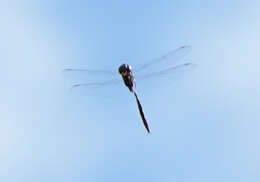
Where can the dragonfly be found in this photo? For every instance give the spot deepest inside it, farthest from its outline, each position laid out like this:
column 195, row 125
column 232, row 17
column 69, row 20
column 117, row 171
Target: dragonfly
column 129, row 74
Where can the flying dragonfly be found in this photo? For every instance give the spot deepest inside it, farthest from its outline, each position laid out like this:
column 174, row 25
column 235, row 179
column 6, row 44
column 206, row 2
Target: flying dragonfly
column 129, row 75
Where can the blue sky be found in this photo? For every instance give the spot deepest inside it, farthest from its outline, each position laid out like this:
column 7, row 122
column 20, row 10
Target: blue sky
column 205, row 125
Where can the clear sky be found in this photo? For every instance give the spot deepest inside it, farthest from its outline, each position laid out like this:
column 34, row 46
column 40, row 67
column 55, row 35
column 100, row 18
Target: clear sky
column 205, row 125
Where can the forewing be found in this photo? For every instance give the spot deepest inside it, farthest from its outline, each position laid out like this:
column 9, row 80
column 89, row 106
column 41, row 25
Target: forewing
column 172, row 70
column 87, row 75
column 170, row 58
column 87, row 71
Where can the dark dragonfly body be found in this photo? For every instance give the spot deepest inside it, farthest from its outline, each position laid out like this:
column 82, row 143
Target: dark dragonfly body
column 125, row 71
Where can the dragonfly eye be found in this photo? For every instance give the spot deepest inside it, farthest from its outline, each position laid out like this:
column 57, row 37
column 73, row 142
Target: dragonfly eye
column 121, row 68
column 124, row 73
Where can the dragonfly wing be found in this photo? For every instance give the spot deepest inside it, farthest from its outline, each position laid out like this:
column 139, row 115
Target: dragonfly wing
column 94, row 85
column 87, row 71
column 172, row 56
column 97, row 89
column 86, row 75
column 172, row 70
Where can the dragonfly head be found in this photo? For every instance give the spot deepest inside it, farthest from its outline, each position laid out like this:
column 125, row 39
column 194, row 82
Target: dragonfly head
column 124, row 69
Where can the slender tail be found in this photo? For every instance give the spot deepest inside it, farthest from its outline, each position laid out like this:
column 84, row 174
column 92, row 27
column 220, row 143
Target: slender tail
column 142, row 113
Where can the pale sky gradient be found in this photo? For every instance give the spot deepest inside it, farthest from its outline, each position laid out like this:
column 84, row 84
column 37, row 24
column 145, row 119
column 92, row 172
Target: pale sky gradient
column 205, row 125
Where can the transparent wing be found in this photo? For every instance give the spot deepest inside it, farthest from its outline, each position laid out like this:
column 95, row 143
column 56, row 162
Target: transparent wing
column 175, row 70
column 104, row 90
column 172, row 56
column 87, row 75
column 90, row 81
column 92, row 72
column 94, row 79
column 171, row 70
column 94, row 85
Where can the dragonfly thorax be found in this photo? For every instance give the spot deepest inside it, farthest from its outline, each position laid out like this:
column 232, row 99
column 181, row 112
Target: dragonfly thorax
column 124, row 69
